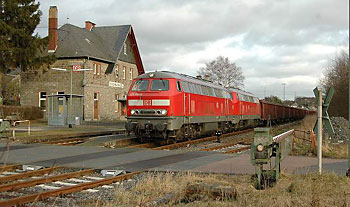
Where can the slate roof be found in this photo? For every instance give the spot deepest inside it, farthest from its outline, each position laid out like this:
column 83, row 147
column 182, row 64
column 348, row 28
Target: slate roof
column 102, row 42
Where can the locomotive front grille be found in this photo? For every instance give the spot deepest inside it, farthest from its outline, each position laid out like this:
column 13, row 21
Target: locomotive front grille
column 147, row 112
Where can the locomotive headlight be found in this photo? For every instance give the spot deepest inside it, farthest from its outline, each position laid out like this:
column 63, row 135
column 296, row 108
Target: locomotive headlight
column 134, row 112
column 163, row 111
column 260, row 148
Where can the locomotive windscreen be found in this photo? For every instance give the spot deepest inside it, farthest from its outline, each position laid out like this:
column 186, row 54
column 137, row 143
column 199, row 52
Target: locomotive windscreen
column 160, row 85
column 140, row 85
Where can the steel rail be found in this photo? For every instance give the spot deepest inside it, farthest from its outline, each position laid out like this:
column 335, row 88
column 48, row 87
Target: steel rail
column 226, row 145
column 145, row 145
column 64, row 141
column 7, row 167
column 27, row 174
column 237, row 150
column 237, row 133
column 206, row 139
column 25, row 184
column 63, row 191
column 41, row 138
column 182, row 144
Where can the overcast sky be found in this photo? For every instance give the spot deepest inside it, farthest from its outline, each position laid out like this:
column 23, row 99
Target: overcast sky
column 274, row 41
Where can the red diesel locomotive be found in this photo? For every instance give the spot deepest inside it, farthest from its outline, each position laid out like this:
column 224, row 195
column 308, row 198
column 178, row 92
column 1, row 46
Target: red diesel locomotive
column 176, row 106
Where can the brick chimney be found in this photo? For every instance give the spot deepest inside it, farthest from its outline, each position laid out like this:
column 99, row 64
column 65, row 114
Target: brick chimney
column 53, row 37
column 89, row 25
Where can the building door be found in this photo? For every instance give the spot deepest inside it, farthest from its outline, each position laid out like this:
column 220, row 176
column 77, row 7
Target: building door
column 96, row 100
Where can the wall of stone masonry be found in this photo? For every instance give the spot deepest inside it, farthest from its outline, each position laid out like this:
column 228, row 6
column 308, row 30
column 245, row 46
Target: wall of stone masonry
column 108, row 86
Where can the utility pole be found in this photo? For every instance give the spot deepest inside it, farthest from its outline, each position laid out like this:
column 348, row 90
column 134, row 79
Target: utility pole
column 348, row 172
column 71, row 96
column 284, row 91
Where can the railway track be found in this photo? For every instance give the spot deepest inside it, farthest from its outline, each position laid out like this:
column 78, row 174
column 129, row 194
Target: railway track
column 73, row 141
column 7, row 167
column 71, row 182
column 201, row 140
column 70, row 139
column 236, row 146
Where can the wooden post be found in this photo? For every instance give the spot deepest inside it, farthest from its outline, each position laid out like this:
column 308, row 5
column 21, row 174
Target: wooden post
column 313, row 140
column 319, row 131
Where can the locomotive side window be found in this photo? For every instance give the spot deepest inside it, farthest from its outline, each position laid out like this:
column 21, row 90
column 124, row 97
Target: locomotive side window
column 198, row 89
column 216, row 92
column 246, row 98
column 251, row 99
column 160, row 85
column 226, row 94
column 140, row 85
column 210, row 91
column 204, row 90
column 178, row 86
column 185, row 86
column 191, row 87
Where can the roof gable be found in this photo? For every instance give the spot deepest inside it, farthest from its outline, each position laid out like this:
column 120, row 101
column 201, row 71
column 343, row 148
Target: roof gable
column 103, row 43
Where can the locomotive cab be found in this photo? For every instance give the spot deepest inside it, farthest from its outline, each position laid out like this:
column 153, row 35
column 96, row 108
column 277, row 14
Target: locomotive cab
column 149, row 101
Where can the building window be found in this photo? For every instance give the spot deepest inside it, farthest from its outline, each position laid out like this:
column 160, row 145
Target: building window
column 124, row 75
column 42, row 100
column 116, row 71
column 116, row 102
column 124, row 48
column 95, row 68
column 60, row 99
column 98, row 69
column 95, row 96
column 130, row 73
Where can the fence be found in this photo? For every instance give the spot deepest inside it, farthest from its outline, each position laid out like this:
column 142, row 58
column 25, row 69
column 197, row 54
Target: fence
column 25, row 112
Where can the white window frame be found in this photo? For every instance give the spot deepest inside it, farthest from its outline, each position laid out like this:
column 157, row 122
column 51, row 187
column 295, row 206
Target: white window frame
column 98, row 69
column 95, row 68
column 130, row 73
column 124, row 48
column 97, row 96
column 116, row 71
column 42, row 99
column 60, row 93
column 124, row 72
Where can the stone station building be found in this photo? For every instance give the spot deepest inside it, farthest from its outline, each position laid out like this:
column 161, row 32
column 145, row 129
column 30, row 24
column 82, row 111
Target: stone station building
column 110, row 56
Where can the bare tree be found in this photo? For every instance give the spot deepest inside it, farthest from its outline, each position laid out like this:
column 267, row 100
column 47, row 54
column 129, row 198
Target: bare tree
column 221, row 71
column 336, row 75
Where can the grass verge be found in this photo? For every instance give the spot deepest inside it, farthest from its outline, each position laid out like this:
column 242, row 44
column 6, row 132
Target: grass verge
column 291, row 190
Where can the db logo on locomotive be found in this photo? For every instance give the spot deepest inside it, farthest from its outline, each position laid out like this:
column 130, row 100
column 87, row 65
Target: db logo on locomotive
column 147, row 102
